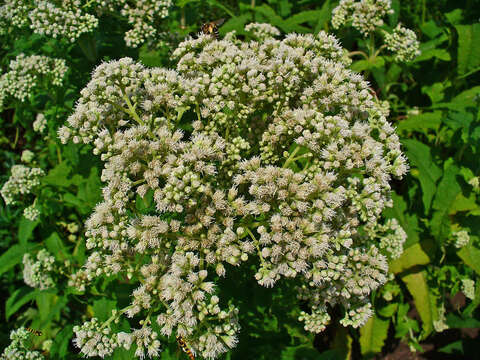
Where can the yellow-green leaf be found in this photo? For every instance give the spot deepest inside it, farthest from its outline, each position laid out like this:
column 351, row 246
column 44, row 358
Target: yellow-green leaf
column 373, row 335
column 412, row 256
column 417, row 286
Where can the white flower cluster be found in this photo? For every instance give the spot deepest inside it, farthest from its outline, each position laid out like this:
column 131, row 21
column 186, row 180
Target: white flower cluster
column 37, row 272
column 27, row 156
column 69, row 19
column 40, row 123
column 18, row 349
column 403, row 43
column 57, row 19
column 468, row 288
column 28, row 72
column 461, row 238
column 22, row 182
column 31, row 212
column 93, row 339
column 364, row 15
column 262, row 31
column 142, row 16
column 288, row 161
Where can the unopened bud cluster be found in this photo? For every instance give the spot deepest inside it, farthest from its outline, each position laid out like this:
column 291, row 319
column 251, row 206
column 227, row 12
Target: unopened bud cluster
column 287, row 162
column 364, row 15
column 403, row 43
column 19, row 347
column 22, row 181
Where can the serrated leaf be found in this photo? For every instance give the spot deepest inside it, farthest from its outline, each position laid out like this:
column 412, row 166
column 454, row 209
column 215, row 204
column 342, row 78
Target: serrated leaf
column 470, row 256
column 412, row 256
column 468, row 47
column 19, row 298
column 417, row 286
column 421, row 123
column 373, row 335
column 419, row 155
column 58, row 176
column 447, row 191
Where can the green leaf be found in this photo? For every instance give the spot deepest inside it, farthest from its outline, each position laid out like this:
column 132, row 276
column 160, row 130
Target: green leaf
column 412, row 256
column 19, row 298
column 421, row 122
column 456, row 322
column 102, row 309
column 468, row 47
column 373, row 335
column 470, row 256
column 387, row 311
column 61, row 342
column 323, row 16
column 58, row 176
column 25, row 230
column 417, row 286
column 55, row 245
column 13, row 256
column 429, row 173
column 447, row 192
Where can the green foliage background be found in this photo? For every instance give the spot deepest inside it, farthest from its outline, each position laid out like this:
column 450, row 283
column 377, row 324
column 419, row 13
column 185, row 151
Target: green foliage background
column 434, row 105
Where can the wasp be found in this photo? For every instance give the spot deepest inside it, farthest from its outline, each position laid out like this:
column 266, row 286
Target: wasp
column 185, row 348
column 211, row 28
column 33, row 331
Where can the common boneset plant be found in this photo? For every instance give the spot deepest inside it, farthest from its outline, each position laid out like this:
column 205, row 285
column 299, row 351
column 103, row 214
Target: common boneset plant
column 268, row 149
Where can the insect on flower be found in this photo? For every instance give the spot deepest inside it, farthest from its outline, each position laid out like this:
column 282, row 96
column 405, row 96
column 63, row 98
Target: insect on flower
column 33, row 331
column 185, row 348
column 211, row 28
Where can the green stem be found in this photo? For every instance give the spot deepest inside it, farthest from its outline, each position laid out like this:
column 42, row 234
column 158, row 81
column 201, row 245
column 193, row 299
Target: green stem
column 291, row 157
column 131, row 109
column 262, row 260
column 17, row 134
column 352, row 53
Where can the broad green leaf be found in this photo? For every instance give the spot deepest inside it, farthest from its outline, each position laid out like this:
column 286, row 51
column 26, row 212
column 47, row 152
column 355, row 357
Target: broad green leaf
column 421, row 122
column 455, row 347
column 373, row 335
column 447, row 191
column 58, row 176
column 236, row 23
column 25, row 230
column 417, row 286
column 412, row 256
column 470, row 256
column 463, row 203
column 19, row 298
column 468, row 47
column 13, row 256
column 419, row 155
column 323, row 16
column 102, row 309
column 362, row 65
column 454, row 16
column 299, row 352
column 387, row 311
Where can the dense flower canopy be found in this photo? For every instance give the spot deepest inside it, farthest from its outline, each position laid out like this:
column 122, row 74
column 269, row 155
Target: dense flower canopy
column 271, row 149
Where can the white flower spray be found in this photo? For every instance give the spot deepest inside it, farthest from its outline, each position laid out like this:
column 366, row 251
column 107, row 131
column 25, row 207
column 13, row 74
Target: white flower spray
column 286, row 159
